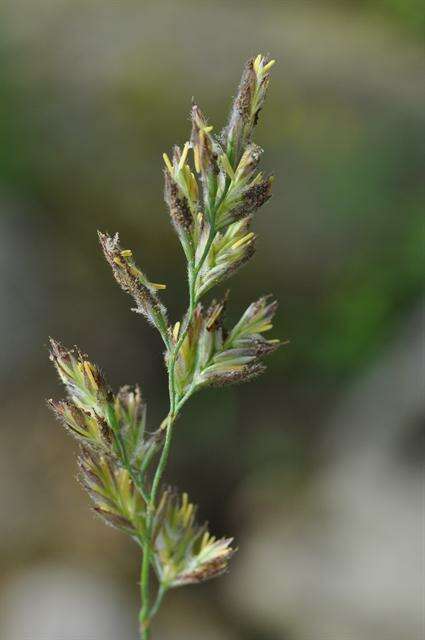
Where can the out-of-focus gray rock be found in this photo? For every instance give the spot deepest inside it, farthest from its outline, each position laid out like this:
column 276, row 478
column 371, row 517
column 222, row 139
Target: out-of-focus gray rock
column 349, row 564
column 54, row 602
column 188, row 616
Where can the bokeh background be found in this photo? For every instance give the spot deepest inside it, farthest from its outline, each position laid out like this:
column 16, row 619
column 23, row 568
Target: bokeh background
column 317, row 467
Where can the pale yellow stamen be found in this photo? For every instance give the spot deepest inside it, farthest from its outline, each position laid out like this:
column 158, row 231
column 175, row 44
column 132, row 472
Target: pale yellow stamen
column 257, row 62
column 186, row 510
column 157, row 285
column 176, row 331
column 89, row 372
column 184, row 155
column 214, row 317
column 264, row 327
column 258, row 178
column 168, row 163
column 205, row 539
column 243, row 240
column 193, row 187
column 126, row 253
column 197, row 159
column 269, row 65
column 185, row 501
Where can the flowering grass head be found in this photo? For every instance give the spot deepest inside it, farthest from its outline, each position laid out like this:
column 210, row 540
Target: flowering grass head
column 213, row 189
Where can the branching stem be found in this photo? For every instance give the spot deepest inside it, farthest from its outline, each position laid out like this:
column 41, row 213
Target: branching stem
column 147, row 612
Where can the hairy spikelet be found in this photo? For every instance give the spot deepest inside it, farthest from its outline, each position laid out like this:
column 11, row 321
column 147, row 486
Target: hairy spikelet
column 186, row 553
column 210, row 355
column 133, row 281
column 117, row 500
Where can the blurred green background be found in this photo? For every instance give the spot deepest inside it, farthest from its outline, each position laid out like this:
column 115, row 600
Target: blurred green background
column 316, row 467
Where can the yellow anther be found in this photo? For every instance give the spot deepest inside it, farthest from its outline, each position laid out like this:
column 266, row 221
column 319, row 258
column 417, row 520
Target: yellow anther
column 243, row 240
column 214, row 316
column 168, row 163
column 193, row 187
column 227, row 166
column 184, row 155
column 257, row 62
column 188, row 514
column 269, row 65
column 158, row 286
column 126, row 253
column 176, row 330
column 258, row 178
column 205, row 539
column 200, row 216
column 118, row 262
column 197, row 159
column 89, row 372
column 208, row 128
column 264, row 327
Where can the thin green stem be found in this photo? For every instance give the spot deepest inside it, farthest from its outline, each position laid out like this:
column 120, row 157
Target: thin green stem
column 148, row 612
column 144, row 589
column 162, row 590
column 145, row 614
column 161, row 465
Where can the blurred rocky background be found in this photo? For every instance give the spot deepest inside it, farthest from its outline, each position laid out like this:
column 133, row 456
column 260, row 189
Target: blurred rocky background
column 317, row 467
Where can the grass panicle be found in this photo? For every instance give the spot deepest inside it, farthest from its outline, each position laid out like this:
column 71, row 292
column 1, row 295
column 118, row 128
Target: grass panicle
column 213, row 188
